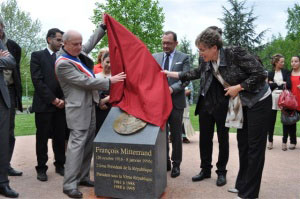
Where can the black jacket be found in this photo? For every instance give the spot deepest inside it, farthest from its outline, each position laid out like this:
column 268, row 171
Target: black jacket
column 44, row 81
column 237, row 66
column 15, row 51
column 286, row 75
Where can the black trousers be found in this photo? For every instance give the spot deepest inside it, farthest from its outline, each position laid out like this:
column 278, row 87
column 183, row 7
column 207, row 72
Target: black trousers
column 252, row 140
column 54, row 124
column 272, row 121
column 4, row 141
column 207, row 124
column 12, row 115
column 289, row 130
column 175, row 127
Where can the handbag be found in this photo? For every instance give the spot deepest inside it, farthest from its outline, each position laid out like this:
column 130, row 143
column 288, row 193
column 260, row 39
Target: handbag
column 287, row 100
column 289, row 117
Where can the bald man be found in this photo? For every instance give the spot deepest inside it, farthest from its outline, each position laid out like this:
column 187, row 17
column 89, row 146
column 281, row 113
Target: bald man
column 74, row 70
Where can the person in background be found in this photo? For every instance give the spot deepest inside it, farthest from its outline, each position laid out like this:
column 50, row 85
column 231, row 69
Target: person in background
column 104, row 106
column 7, row 61
column 172, row 60
column 187, row 128
column 13, row 81
column 48, row 105
column 243, row 78
column 278, row 79
column 98, row 67
column 295, row 81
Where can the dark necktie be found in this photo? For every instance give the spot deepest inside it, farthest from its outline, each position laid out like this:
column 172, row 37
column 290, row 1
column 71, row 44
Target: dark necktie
column 166, row 66
column 53, row 56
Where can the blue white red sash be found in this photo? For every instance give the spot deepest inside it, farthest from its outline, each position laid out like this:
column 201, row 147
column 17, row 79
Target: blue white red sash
column 81, row 66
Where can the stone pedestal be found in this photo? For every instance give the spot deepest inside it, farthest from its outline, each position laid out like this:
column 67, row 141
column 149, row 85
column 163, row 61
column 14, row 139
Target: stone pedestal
column 129, row 166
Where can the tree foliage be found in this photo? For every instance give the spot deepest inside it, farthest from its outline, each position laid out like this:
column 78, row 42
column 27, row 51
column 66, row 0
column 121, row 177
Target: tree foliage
column 144, row 18
column 22, row 29
column 287, row 46
column 239, row 28
column 293, row 22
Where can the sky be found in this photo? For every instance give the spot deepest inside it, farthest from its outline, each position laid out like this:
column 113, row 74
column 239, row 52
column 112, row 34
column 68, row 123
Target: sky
column 185, row 17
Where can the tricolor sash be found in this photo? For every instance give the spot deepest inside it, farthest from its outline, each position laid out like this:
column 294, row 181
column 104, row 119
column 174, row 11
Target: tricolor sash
column 81, row 66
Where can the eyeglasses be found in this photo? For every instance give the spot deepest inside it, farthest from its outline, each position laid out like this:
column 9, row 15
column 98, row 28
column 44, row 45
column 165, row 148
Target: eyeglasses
column 58, row 40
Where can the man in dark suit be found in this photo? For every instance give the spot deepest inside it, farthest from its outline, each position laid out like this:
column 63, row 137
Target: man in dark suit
column 6, row 62
column 173, row 60
column 13, row 81
column 48, row 105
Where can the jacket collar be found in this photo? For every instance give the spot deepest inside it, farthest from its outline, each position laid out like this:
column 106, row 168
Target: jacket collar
column 223, row 62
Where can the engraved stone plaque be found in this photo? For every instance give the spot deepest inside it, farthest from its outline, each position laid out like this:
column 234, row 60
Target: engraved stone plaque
column 129, row 166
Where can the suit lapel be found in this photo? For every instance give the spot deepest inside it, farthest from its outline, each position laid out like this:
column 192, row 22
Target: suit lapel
column 174, row 60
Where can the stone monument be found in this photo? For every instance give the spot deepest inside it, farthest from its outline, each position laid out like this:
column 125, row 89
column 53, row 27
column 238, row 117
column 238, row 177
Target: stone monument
column 129, row 166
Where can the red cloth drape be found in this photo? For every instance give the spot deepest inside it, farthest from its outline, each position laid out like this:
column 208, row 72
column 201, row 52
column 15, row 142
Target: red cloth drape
column 145, row 92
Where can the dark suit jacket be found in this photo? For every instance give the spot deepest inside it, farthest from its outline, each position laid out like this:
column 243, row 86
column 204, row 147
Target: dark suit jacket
column 15, row 51
column 44, row 81
column 179, row 63
column 286, row 75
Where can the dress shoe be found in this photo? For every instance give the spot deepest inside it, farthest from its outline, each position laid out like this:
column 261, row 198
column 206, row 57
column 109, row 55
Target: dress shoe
column 87, row 183
column 233, row 190
column 221, row 181
column 168, row 165
column 185, row 140
column 201, row 176
column 8, row 192
column 60, row 171
column 175, row 172
column 42, row 176
column 73, row 193
column 13, row 172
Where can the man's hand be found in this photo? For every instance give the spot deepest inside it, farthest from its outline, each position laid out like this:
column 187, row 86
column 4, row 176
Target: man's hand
column 118, row 78
column 59, row 103
column 4, row 53
column 103, row 21
column 233, row 90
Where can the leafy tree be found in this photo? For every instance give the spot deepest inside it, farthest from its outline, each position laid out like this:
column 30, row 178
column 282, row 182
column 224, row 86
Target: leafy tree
column 239, row 28
column 288, row 47
column 22, row 29
column 185, row 47
column 144, row 18
column 293, row 22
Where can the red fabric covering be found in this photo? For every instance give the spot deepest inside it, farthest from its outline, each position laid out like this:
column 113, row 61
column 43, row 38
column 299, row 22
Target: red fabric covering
column 145, row 93
column 98, row 68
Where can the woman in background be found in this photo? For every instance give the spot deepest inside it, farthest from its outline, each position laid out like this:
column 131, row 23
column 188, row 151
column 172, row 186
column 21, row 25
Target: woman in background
column 104, row 106
column 295, row 81
column 98, row 67
column 278, row 78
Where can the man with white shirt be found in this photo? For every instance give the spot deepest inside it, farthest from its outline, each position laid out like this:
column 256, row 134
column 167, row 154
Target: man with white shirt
column 173, row 60
column 48, row 105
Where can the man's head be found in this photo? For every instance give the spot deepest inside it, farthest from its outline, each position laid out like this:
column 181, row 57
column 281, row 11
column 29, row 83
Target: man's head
column 169, row 41
column 2, row 27
column 54, row 39
column 72, row 42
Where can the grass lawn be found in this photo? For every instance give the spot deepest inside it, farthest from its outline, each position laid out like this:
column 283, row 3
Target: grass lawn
column 277, row 130
column 25, row 124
